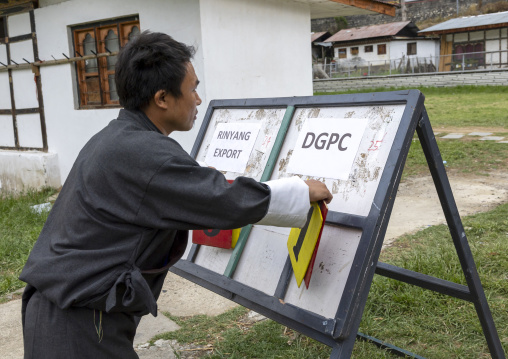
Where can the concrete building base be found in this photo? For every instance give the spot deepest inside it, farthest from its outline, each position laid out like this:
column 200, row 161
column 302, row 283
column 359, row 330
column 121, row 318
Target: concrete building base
column 24, row 170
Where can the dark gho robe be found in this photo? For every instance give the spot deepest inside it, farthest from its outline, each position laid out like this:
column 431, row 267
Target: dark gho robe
column 119, row 223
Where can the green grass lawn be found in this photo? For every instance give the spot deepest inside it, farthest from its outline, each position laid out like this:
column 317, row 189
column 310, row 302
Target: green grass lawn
column 465, row 156
column 20, row 227
column 461, row 106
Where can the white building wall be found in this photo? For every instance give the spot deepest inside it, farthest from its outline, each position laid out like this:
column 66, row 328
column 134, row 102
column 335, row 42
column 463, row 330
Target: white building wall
column 424, row 48
column 69, row 128
column 25, row 170
column 242, row 49
column 256, row 48
column 395, row 49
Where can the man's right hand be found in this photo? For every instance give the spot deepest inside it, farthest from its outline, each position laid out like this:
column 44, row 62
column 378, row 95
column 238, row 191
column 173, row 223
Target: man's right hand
column 318, row 191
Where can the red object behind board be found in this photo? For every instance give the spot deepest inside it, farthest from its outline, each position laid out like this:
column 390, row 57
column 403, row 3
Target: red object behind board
column 213, row 237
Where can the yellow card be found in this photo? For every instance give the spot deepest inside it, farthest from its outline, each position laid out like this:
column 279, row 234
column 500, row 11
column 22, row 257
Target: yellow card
column 301, row 242
column 236, row 235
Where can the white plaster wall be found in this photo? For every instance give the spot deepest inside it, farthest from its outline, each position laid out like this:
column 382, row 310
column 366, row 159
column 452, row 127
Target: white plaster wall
column 363, row 57
column 29, row 130
column 6, row 131
column 21, row 171
column 504, row 55
column 5, row 97
column 5, row 92
column 256, row 49
column 25, row 91
column 19, row 24
column 253, row 49
column 424, row 48
column 68, row 128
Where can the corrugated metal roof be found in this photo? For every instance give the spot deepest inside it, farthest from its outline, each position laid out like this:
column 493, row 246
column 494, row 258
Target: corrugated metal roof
column 366, row 32
column 470, row 21
column 316, row 35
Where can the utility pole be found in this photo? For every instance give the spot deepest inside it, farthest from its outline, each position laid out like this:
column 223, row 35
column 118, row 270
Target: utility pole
column 403, row 9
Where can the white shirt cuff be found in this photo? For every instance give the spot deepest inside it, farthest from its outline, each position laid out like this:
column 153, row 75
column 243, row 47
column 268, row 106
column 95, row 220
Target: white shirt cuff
column 289, row 203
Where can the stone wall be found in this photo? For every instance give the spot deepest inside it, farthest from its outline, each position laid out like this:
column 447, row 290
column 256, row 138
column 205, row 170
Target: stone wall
column 442, row 79
column 416, row 11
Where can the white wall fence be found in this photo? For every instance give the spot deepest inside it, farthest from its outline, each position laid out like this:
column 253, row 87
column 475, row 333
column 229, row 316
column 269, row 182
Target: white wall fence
column 496, row 77
column 357, row 67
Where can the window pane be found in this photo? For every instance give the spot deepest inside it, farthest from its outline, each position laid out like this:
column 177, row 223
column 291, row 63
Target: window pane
column 111, row 42
column 93, row 94
column 88, row 47
column 134, row 32
column 113, row 96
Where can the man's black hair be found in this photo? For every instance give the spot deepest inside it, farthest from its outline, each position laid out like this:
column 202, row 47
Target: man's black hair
column 150, row 62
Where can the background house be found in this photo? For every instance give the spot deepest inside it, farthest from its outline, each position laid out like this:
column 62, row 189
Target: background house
column 47, row 113
column 386, row 46
column 472, row 42
column 320, row 49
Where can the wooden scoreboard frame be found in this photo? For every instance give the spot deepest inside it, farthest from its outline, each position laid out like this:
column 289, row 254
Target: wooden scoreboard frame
column 340, row 331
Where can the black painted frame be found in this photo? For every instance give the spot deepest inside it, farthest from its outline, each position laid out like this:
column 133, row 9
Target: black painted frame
column 340, row 332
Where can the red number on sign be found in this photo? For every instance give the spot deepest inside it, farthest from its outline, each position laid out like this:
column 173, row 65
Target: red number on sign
column 374, row 144
column 266, row 141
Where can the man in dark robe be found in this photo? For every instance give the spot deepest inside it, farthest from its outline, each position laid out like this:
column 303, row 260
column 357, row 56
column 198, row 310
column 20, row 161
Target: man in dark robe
column 122, row 217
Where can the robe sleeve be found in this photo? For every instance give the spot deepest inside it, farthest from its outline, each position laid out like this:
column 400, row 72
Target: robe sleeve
column 182, row 195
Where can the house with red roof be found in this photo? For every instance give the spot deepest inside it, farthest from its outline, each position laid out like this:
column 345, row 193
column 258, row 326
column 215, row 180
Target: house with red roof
column 393, row 45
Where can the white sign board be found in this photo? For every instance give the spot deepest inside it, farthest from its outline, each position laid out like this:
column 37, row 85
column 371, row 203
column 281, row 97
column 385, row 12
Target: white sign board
column 327, row 147
column 231, row 146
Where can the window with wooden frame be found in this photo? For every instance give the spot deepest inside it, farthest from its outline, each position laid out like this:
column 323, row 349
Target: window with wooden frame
column 354, row 51
column 96, row 76
column 381, row 49
column 411, row 48
column 343, row 53
column 368, row 48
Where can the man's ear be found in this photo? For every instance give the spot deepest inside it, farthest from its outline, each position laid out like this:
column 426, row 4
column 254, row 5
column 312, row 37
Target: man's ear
column 161, row 99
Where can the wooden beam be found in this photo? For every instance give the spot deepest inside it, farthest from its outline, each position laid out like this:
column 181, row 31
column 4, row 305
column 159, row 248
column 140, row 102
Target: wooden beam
column 34, row 65
column 371, row 5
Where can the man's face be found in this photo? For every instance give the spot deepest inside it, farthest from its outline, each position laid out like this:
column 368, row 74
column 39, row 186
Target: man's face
column 182, row 111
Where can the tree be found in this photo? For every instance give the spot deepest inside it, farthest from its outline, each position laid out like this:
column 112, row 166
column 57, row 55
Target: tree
column 340, row 23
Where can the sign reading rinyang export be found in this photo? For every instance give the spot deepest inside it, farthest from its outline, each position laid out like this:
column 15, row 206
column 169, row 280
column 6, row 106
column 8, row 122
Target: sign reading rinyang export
column 231, row 146
column 327, row 147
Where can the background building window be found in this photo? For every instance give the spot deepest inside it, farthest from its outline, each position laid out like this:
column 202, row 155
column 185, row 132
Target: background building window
column 96, row 77
column 342, row 53
column 369, row 48
column 411, row 48
column 354, row 51
column 381, row 49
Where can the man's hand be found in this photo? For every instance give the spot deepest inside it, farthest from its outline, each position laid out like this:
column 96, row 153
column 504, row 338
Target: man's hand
column 318, row 191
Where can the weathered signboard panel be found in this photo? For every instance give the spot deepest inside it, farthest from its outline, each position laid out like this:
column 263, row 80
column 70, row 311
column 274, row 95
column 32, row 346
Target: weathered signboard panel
column 356, row 145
